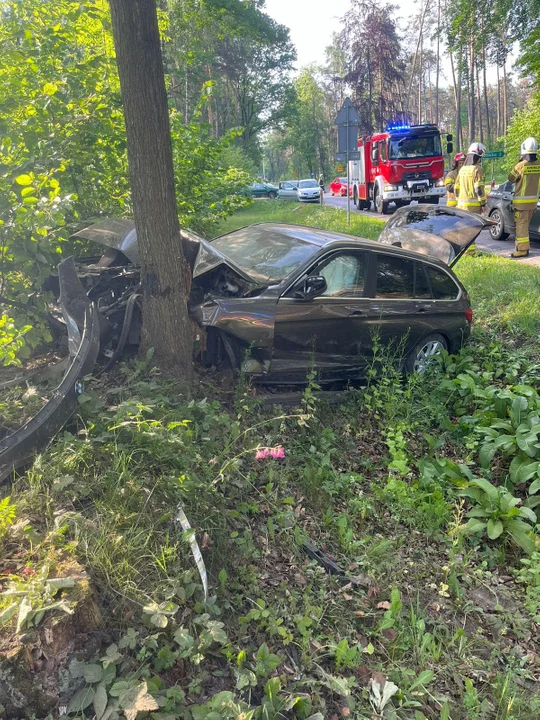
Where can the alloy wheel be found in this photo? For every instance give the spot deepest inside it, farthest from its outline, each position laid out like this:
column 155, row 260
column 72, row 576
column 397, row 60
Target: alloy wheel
column 426, row 355
column 495, row 230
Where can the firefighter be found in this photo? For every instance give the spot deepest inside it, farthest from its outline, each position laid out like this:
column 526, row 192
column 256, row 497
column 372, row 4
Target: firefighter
column 470, row 183
column 450, row 180
column 526, row 176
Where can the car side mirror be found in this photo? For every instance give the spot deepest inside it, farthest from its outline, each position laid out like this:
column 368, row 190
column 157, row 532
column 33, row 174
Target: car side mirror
column 375, row 156
column 310, row 287
column 449, row 138
column 449, row 147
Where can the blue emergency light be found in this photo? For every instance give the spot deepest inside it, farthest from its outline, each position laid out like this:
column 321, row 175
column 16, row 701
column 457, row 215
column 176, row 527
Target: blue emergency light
column 390, row 128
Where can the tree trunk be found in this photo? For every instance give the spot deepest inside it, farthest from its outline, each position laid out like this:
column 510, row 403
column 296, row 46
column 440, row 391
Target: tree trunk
column 437, row 71
column 479, row 104
column 471, row 98
column 165, row 275
column 420, row 80
column 457, row 100
column 498, row 102
column 505, row 100
column 486, row 103
column 416, row 54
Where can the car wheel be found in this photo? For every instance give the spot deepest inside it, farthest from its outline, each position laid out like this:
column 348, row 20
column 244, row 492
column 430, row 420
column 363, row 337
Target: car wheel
column 424, row 353
column 497, row 231
column 381, row 206
column 272, row 195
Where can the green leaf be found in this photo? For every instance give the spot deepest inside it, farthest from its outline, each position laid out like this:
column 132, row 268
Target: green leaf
column 81, row 700
column 519, row 532
column 93, row 673
column 474, row 526
column 425, row 677
column 528, row 513
column 136, row 700
column 8, row 613
column 100, row 701
column 491, row 491
column 534, row 487
column 272, row 688
column 24, row 179
column 494, row 529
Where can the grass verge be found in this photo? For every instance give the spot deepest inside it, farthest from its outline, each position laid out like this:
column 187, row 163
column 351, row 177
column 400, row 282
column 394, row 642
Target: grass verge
column 423, row 492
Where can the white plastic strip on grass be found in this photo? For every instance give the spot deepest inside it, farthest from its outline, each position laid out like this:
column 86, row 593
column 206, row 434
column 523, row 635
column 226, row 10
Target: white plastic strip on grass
column 184, row 522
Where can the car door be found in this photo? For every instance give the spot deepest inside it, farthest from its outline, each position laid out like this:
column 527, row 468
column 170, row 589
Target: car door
column 287, row 191
column 330, row 330
column 258, row 190
column 401, row 306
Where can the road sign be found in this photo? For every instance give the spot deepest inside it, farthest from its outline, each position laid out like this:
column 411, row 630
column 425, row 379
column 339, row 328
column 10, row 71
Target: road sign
column 341, row 157
column 347, row 138
column 339, row 168
column 493, row 154
column 347, row 114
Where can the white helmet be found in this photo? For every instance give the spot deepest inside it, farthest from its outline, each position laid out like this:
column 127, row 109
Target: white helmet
column 476, row 149
column 529, row 146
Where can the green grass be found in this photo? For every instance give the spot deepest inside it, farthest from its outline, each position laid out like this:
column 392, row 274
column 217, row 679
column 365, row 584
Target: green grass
column 325, row 217
column 376, row 482
column 504, row 294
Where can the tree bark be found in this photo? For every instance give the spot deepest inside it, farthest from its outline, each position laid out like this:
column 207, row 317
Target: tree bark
column 505, row 100
column 479, row 104
column 437, row 72
column 486, row 103
column 498, row 102
column 472, row 104
column 165, row 276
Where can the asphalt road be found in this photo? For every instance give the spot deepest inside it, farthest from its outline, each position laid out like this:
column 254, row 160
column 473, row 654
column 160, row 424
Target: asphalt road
column 485, row 242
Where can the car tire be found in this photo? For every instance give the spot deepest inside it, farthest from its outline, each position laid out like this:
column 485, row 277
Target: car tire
column 272, row 195
column 424, row 352
column 497, row 231
column 381, row 206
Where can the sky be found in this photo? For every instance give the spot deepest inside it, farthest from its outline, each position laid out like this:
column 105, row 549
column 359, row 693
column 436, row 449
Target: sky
column 312, row 23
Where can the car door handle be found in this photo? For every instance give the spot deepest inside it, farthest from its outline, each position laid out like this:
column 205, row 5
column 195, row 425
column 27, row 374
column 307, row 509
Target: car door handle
column 355, row 311
column 423, row 309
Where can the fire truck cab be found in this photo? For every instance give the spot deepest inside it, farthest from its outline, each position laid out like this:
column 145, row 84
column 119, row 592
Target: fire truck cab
column 402, row 164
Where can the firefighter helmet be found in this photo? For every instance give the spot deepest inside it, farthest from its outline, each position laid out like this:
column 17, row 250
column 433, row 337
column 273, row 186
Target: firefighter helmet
column 529, row 145
column 476, row 149
column 459, row 157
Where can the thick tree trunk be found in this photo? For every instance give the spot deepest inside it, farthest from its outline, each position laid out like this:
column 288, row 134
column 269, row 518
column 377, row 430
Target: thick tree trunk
column 457, row 100
column 420, row 71
column 505, row 101
column 164, row 272
column 472, row 103
column 498, row 102
column 479, row 105
column 438, row 70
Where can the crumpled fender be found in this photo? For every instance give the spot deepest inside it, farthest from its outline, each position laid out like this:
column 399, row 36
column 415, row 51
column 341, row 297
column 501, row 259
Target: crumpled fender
column 82, row 324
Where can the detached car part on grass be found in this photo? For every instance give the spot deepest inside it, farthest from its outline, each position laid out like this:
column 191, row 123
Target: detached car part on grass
column 82, row 323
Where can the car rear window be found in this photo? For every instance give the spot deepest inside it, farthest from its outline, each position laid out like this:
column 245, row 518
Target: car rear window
column 442, row 285
column 395, row 277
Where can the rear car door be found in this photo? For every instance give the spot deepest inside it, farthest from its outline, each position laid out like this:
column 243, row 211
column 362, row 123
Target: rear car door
column 331, row 330
column 287, row 191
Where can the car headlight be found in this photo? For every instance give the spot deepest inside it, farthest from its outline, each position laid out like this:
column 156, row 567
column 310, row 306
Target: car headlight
column 389, row 188
column 439, row 183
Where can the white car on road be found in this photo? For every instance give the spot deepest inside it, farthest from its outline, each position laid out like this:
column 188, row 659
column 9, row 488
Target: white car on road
column 308, row 191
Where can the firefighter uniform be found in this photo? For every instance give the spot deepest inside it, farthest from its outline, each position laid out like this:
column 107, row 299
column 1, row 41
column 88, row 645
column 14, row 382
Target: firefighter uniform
column 526, row 176
column 449, row 183
column 470, row 188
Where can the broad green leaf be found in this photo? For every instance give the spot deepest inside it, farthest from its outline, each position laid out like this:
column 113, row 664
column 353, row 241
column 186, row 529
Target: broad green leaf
column 474, row 526
column 425, row 677
column 93, row 673
column 100, row 701
column 528, row 513
column 534, row 487
column 8, row 613
column 80, row 700
column 491, row 491
column 24, row 179
column 494, row 529
column 519, row 531
column 136, row 700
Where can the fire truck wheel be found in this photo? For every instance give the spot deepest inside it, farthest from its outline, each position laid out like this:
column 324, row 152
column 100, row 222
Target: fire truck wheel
column 381, row 206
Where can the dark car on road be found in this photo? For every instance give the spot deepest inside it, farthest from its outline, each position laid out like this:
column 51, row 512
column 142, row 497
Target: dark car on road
column 263, row 189
column 499, row 210
column 274, row 299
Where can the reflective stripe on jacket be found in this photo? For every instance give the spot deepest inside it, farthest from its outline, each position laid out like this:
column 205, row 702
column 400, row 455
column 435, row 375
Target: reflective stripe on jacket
column 449, row 182
column 470, row 187
column 526, row 176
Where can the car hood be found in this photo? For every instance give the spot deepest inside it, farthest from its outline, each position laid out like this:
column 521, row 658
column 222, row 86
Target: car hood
column 438, row 231
column 122, row 236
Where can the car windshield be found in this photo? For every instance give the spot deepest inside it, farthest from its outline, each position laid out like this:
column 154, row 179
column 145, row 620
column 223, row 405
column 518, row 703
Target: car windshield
column 412, row 147
column 266, row 254
column 308, row 184
column 343, row 180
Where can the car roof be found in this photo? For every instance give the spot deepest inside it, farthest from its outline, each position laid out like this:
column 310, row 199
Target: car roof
column 326, row 238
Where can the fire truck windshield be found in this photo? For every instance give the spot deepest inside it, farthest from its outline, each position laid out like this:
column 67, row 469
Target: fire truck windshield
column 414, row 147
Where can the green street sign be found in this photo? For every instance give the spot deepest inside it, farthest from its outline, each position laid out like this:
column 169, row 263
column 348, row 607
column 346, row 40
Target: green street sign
column 493, row 154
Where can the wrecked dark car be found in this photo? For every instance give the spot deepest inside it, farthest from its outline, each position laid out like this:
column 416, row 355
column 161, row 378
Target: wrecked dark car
column 275, row 299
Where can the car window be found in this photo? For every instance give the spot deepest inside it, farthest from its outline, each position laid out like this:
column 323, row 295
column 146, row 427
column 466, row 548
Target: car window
column 345, row 275
column 308, row 184
column 343, row 181
column 444, row 288
column 395, row 277
column 422, row 289
column 382, row 147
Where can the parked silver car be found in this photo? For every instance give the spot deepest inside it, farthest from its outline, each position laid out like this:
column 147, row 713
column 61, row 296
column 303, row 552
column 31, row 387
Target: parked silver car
column 287, row 189
column 308, row 191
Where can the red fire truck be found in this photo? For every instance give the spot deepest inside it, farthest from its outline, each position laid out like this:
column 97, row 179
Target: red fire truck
column 402, row 164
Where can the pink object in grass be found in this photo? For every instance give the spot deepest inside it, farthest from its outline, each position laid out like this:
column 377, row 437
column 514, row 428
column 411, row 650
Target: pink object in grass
column 277, row 452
